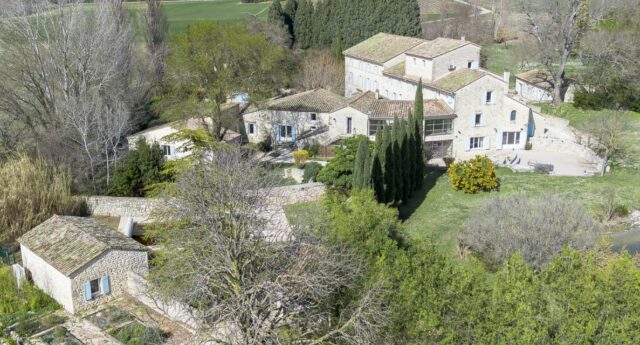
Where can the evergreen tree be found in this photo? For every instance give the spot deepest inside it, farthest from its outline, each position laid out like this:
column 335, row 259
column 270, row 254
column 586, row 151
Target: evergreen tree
column 362, row 168
column 303, row 24
column 377, row 174
column 411, row 152
column 389, row 167
column 289, row 11
column 337, row 46
column 418, row 106
column 405, row 162
column 397, row 156
column 276, row 14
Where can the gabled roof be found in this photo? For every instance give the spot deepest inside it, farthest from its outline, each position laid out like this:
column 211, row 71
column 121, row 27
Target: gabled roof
column 382, row 47
column 318, row 100
column 437, row 47
column 69, row 243
column 538, row 78
column 376, row 107
column 455, row 81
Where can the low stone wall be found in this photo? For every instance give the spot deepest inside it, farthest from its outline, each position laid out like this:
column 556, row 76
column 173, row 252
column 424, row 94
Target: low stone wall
column 137, row 208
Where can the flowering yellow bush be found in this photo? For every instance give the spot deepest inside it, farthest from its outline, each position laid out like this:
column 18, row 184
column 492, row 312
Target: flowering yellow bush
column 477, row 174
column 300, row 157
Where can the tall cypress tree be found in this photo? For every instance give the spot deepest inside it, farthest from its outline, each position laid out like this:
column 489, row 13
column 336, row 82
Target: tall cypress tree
column 411, row 152
column 337, row 45
column 389, row 167
column 398, row 164
column 290, row 8
column 406, row 165
column 276, row 14
column 303, row 24
column 362, row 169
column 418, row 115
column 418, row 106
column 377, row 175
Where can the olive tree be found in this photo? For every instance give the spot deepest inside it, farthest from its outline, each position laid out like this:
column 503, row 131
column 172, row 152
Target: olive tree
column 248, row 277
column 537, row 228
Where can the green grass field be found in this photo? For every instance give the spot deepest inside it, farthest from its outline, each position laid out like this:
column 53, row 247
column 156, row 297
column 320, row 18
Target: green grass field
column 181, row 14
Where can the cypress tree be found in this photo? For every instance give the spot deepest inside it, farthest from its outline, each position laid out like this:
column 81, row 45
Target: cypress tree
column 303, row 24
column 418, row 106
column 389, row 168
column 290, row 8
column 406, row 163
column 397, row 156
column 362, row 169
column 337, row 45
column 377, row 175
column 276, row 14
column 411, row 152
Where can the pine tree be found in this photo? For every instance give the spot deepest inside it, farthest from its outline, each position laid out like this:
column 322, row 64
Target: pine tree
column 389, row 168
column 276, row 15
column 362, row 169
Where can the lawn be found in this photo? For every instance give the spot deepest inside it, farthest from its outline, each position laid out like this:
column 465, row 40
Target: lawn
column 181, row 14
column 439, row 213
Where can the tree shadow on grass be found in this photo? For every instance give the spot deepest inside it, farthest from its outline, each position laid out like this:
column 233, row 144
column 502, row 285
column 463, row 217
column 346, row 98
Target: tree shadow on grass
column 431, row 177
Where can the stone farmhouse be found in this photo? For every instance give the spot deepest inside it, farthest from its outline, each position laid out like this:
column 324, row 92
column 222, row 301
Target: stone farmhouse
column 178, row 149
column 468, row 110
column 535, row 85
column 80, row 262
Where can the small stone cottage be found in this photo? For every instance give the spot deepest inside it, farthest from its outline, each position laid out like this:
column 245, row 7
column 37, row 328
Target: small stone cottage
column 80, row 262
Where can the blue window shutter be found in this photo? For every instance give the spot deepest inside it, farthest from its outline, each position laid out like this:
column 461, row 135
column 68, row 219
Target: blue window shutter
column 87, row 291
column 293, row 133
column 104, row 281
column 277, row 133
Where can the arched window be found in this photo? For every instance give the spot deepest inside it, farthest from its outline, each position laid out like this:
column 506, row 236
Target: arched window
column 513, row 115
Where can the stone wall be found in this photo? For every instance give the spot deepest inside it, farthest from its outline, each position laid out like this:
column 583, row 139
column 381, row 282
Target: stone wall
column 298, row 193
column 137, row 208
column 116, row 264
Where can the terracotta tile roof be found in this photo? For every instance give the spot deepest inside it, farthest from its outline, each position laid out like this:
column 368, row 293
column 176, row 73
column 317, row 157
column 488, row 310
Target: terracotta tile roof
column 382, row 47
column 69, row 243
column 318, row 100
column 437, row 47
column 538, row 78
column 375, row 107
column 455, row 81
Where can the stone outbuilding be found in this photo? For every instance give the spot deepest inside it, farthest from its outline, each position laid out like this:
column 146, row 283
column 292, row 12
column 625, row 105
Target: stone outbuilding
column 80, row 262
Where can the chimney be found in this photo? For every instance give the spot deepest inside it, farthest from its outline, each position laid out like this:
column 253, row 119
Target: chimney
column 377, row 94
column 506, row 77
column 463, row 38
column 126, row 226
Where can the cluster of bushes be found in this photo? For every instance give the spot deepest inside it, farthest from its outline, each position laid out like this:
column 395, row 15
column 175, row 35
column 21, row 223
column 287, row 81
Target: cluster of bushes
column 588, row 296
column 477, row 174
column 138, row 171
column 136, row 333
column 311, row 171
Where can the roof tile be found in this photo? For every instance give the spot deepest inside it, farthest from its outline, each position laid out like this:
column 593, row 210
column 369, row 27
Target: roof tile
column 382, row 47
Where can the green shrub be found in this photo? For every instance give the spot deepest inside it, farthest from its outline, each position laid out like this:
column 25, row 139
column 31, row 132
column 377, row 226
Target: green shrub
column 20, row 304
column 265, row 146
column 313, row 149
column 27, row 328
column 311, row 170
column 140, row 169
column 473, row 176
column 448, row 161
column 528, row 146
column 138, row 334
column 543, row 168
column 59, row 334
column 52, row 320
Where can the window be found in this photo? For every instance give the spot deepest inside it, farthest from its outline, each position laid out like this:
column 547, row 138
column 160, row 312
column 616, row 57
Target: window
column 286, row 131
column 510, row 138
column 439, row 149
column 313, row 116
column 377, row 125
column 252, row 128
column 349, row 125
column 96, row 288
column 350, row 77
column 477, row 120
column 166, row 150
column 513, row 115
column 470, row 64
column 438, row 127
column 489, row 97
column 476, row 143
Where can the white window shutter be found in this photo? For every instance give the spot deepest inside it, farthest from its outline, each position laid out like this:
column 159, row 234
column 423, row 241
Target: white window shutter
column 87, row 291
column 485, row 143
column 104, row 282
column 484, row 119
column 473, row 120
column 499, row 141
column 467, row 145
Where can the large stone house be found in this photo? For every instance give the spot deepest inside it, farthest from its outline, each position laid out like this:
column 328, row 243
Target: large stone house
column 80, row 262
column 488, row 117
column 320, row 116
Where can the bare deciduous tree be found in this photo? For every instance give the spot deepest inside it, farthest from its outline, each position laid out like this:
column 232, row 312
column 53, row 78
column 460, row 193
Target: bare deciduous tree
column 611, row 136
column 536, row 228
column 68, row 76
column 248, row 278
column 319, row 69
column 557, row 27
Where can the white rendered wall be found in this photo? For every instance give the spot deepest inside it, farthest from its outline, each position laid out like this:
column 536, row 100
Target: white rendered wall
column 48, row 279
